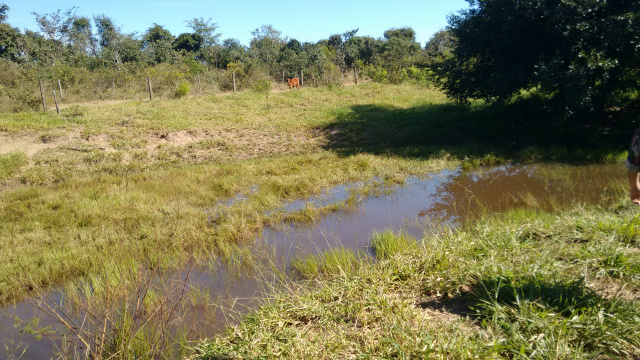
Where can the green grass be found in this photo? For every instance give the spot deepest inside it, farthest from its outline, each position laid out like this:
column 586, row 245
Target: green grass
column 336, row 261
column 387, row 244
column 11, row 163
column 507, row 286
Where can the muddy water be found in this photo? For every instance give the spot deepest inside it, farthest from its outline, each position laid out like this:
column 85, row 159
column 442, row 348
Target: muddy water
column 421, row 205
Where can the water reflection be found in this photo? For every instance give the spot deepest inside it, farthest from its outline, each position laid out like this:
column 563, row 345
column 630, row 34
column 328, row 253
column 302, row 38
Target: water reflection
column 544, row 187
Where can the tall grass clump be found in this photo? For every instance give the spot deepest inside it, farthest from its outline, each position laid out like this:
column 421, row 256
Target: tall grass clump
column 329, row 262
column 551, row 319
column 386, row 244
column 129, row 313
column 182, row 90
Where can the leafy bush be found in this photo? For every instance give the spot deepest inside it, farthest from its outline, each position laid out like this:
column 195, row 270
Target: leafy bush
column 415, row 73
column 377, row 74
column 182, row 90
column 262, row 86
column 397, row 76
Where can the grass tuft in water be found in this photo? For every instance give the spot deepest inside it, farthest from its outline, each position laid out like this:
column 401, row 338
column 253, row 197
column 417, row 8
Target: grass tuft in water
column 330, row 262
column 386, row 244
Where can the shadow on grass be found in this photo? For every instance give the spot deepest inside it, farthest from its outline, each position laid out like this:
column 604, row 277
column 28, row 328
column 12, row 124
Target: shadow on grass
column 518, row 131
column 544, row 318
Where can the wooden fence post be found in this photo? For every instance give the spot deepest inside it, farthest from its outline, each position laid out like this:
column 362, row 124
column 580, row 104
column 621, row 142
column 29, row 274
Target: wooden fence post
column 60, row 89
column 301, row 78
column 233, row 76
column 150, row 89
column 44, row 106
column 355, row 75
column 56, row 101
column 199, row 88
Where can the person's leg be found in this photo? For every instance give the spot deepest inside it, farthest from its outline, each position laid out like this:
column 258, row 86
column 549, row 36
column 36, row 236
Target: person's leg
column 634, row 187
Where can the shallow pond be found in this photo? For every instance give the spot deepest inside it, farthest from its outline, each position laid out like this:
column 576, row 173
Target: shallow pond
column 217, row 294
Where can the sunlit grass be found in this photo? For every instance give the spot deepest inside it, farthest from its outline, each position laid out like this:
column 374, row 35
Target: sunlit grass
column 335, row 261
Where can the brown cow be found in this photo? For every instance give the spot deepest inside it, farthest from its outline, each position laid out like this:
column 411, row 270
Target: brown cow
column 293, row 82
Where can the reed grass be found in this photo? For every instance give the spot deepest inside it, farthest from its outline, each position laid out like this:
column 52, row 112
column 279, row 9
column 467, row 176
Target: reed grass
column 387, row 244
column 335, row 261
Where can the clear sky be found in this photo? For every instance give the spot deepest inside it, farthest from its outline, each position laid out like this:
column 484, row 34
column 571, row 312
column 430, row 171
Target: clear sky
column 302, row 20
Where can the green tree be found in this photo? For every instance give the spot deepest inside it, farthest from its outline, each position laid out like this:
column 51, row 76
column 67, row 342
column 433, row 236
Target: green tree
column 582, row 55
column 54, row 28
column 398, row 52
column 344, row 53
column 110, row 39
column 9, row 37
column 35, row 49
column 158, row 42
column 292, row 58
column 188, row 43
column 367, row 49
column 440, row 46
column 81, row 42
column 4, row 10
column 232, row 51
column 210, row 47
column 265, row 47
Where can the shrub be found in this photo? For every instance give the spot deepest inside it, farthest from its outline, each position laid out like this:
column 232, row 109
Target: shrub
column 262, row 86
column 182, row 90
column 377, row 74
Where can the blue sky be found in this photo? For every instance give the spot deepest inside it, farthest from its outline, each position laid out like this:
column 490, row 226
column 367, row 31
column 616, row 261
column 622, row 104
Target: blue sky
column 305, row 21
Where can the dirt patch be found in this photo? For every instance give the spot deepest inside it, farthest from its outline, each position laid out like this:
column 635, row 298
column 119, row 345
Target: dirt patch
column 614, row 289
column 101, row 140
column 184, row 146
column 31, row 143
column 180, row 138
column 446, row 311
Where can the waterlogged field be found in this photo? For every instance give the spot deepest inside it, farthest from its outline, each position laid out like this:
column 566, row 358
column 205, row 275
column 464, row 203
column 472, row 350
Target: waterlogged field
column 108, row 198
column 135, row 181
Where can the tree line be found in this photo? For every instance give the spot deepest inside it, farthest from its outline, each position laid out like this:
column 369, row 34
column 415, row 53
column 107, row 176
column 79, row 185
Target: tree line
column 66, row 44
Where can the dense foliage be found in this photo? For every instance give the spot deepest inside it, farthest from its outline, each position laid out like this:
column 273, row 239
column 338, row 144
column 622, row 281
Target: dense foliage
column 581, row 55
